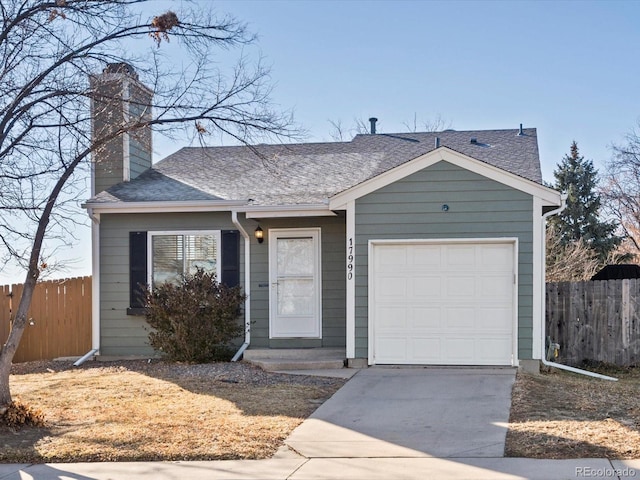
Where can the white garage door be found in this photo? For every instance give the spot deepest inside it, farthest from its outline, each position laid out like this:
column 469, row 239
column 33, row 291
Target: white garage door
column 442, row 303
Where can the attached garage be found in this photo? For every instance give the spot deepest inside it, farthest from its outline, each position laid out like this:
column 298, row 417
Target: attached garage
column 443, row 302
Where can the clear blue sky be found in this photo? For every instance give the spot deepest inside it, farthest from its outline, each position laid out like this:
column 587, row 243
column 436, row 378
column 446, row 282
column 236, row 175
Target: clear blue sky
column 570, row 69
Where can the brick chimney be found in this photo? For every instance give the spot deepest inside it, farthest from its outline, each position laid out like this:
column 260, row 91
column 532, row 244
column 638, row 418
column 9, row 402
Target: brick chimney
column 118, row 99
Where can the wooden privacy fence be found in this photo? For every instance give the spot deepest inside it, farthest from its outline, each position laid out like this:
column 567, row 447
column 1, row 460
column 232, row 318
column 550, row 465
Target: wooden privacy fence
column 59, row 322
column 595, row 321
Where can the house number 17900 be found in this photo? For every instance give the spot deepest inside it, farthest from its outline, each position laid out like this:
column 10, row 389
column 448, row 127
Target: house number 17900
column 350, row 259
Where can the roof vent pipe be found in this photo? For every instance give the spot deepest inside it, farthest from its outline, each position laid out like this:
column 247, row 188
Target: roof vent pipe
column 373, row 121
column 474, row 140
column 437, row 142
column 520, row 132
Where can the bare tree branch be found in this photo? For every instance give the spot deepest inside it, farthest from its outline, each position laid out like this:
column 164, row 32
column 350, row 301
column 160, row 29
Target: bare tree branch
column 569, row 261
column 48, row 52
column 621, row 190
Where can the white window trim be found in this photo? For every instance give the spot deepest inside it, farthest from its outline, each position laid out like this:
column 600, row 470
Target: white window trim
column 216, row 233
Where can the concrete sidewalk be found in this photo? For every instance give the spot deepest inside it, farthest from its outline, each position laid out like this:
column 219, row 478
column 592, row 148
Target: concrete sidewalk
column 334, row 469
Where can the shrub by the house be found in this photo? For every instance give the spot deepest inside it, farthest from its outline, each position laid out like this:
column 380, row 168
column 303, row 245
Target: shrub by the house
column 196, row 319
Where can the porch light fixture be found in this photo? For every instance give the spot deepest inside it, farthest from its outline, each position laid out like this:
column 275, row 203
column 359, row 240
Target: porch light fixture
column 259, row 235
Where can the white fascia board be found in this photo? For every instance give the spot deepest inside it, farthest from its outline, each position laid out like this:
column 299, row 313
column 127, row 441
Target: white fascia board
column 539, row 284
column 549, row 196
column 166, row 207
column 284, row 211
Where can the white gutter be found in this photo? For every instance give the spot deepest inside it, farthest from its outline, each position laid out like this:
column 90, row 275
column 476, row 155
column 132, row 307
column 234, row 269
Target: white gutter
column 247, row 286
column 544, row 322
column 95, row 288
column 281, row 211
column 164, row 207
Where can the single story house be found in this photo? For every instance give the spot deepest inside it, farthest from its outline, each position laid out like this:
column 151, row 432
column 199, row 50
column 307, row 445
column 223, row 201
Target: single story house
column 410, row 248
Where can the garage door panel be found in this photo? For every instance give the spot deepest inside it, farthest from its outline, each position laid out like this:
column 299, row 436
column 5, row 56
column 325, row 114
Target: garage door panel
column 426, row 256
column 495, row 319
column 443, row 303
column 459, row 350
column 493, row 350
column 458, row 318
column 390, row 258
column 425, row 287
column 458, row 257
column 391, row 288
column 426, row 349
column 394, row 349
column 492, row 287
column 425, row 318
column 460, row 286
column 393, row 318
column 495, row 258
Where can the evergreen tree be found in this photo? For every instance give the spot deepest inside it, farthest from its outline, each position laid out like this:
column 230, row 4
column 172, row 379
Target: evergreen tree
column 580, row 220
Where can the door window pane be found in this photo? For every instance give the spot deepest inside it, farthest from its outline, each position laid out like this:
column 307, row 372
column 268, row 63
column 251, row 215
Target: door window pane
column 295, row 297
column 295, row 256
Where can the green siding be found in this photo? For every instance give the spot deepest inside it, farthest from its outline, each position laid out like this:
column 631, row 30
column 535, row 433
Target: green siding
column 332, row 240
column 411, row 208
column 122, row 334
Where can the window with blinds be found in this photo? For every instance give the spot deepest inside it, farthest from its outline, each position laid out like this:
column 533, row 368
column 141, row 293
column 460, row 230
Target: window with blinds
column 175, row 255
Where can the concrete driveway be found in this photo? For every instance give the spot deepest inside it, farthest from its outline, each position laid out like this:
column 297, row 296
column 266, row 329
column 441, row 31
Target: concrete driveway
column 411, row 412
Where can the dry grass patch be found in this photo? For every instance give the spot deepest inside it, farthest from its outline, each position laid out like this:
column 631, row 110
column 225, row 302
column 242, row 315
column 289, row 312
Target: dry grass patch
column 564, row 415
column 159, row 411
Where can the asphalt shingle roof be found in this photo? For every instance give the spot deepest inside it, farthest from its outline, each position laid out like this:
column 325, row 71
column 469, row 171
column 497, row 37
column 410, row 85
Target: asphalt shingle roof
column 309, row 173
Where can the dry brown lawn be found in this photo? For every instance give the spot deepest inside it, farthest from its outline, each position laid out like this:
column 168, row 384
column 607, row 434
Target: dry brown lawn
column 565, row 415
column 157, row 411
column 135, row 410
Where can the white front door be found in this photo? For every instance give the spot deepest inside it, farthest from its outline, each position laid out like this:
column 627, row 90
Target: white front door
column 295, row 288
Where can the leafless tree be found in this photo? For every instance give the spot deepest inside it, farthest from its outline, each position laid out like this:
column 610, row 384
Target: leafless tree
column 48, row 50
column 569, row 262
column 361, row 127
column 621, row 190
column 340, row 133
column 437, row 124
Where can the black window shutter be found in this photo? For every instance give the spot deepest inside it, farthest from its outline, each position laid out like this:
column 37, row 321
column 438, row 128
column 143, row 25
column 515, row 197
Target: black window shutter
column 137, row 268
column 230, row 257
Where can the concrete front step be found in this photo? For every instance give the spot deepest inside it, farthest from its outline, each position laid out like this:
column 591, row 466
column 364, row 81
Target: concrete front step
column 272, row 360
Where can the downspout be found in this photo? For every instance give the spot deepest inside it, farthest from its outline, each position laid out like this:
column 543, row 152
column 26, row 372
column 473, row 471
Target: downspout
column 544, row 322
column 95, row 288
column 247, row 286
